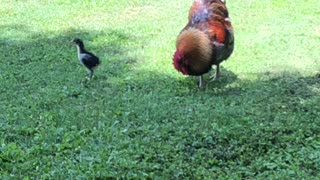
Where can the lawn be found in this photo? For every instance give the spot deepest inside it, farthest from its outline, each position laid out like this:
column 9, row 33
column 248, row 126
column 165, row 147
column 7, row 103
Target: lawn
column 140, row 118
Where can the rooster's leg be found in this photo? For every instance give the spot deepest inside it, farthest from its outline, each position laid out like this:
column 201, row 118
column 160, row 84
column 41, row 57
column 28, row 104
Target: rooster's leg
column 218, row 72
column 201, row 85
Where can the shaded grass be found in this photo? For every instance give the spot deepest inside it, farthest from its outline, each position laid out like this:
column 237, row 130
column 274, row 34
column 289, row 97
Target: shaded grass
column 138, row 117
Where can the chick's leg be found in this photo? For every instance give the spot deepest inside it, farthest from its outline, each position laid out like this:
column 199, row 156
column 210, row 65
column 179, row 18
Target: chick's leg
column 90, row 73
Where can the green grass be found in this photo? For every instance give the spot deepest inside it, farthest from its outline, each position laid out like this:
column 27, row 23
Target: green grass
column 139, row 118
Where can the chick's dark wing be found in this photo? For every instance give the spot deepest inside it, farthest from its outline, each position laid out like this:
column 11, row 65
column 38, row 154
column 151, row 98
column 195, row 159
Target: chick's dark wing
column 89, row 60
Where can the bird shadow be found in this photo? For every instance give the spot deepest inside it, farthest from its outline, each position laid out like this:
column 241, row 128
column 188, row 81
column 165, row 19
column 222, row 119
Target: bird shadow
column 211, row 84
column 227, row 77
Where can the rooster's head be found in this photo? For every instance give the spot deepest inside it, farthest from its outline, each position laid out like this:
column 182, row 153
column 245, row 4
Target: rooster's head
column 180, row 62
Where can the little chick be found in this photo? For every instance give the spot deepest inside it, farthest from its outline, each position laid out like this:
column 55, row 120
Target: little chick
column 89, row 60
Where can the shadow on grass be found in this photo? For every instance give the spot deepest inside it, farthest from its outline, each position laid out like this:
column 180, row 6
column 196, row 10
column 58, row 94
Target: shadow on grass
column 219, row 128
column 51, row 56
column 41, row 70
column 49, row 61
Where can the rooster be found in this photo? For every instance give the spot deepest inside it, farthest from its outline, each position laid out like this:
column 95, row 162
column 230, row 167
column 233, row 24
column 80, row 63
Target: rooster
column 206, row 40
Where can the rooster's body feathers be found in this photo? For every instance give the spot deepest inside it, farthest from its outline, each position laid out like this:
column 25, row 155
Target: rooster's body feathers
column 206, row 40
